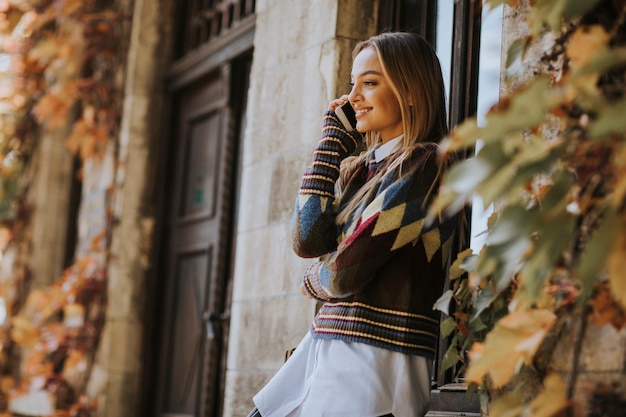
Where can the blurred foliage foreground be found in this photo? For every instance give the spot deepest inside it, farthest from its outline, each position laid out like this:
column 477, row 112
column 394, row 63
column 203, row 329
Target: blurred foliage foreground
column 59, row 60
column 553, row 166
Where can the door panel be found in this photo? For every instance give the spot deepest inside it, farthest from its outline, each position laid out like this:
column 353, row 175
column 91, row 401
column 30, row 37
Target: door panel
column 187, row 331
column 198, row 251
column 200, row 168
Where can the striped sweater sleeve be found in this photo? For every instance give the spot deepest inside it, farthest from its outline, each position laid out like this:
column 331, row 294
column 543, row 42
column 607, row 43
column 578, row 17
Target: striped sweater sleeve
column 394, row 219
column 314, row 232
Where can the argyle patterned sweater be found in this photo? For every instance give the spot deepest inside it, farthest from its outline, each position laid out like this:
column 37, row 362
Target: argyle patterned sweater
column 380, row 273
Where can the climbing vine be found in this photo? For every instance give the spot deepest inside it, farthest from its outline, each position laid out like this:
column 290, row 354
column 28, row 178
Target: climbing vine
column 553, row 164
column 60, row 65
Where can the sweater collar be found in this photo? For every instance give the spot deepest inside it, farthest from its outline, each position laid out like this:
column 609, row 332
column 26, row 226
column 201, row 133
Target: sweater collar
column 387, row 148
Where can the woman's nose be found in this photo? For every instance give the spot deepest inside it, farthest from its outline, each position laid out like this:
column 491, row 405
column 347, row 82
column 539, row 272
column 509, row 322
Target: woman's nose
column 353, row 95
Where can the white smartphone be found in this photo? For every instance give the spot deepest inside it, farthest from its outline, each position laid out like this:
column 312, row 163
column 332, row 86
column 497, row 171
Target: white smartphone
column 346, row 114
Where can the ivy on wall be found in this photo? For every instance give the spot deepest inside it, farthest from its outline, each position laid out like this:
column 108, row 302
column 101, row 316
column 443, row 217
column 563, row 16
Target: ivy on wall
column 59, row 68
column 553, row 163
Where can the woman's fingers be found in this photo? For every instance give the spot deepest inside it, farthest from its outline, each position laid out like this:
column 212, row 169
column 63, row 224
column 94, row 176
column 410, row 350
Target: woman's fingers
column 337, row 102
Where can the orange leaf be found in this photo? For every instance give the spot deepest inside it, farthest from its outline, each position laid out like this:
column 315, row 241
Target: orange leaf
column 22, row 331
column 45, row 50
column 74, row 315
column 463, row 329
column 552, row 399
column 584, row 43
column 79, row 131
column 51, row 109
column 37, row 300
column 512, row 342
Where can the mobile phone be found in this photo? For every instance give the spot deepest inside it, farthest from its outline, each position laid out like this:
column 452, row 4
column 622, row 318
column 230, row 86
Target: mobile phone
column 346, row 114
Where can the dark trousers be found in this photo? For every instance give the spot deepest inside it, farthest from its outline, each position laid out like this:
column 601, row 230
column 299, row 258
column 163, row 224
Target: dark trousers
column 255, row 413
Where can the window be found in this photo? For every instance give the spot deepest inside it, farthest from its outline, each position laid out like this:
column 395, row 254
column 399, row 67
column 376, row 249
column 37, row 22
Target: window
column 204, row 21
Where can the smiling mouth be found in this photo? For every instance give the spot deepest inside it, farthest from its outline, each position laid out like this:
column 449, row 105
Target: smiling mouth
column 361, row 112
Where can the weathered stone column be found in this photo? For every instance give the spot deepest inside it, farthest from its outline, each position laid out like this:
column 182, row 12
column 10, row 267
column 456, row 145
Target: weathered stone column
column 117, row 377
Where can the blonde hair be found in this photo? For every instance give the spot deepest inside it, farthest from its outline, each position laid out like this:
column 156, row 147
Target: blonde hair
column 412, row 69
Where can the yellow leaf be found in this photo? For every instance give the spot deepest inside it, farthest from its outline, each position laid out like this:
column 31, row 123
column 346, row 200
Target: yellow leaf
column 22, row 331
column 552, row 399
column 510, row 405
column 11, row 16
column 79, row 132
column 456, row 270
column 619, row 191
column 37, row 300
column 513, row 341
column 584, row 43
column 74, row 315
column 45, row 50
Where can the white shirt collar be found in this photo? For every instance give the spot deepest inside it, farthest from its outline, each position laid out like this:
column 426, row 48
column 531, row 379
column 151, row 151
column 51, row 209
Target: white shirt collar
column 387, row 148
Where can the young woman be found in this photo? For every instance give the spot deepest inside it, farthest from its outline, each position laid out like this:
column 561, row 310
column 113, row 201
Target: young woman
column 381, row 267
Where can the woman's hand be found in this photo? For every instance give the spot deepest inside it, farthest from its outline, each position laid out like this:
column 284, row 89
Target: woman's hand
column 337, row 102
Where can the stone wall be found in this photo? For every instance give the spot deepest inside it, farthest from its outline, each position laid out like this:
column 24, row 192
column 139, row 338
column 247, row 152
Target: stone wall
column 116, row 379
column 50, row 171
column 302, row 60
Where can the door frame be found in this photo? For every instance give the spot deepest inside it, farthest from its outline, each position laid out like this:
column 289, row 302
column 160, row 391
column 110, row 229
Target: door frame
column 221, row 56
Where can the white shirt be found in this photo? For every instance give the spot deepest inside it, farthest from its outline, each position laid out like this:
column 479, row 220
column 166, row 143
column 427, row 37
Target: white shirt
column 387, row 148
column 333, row 378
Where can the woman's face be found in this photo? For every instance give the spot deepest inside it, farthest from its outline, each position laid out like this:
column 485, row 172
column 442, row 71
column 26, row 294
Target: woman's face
column 376, row 107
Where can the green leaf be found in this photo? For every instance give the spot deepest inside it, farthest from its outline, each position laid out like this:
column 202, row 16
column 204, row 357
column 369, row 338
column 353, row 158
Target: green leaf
column 554, row 236
column 443, row 303
column 575, row 8
column 483, row 301
column 464, row 262
column 465, row 177
column 603, row 60
column 531, row 168
column 495, row 186
column 448, row 326
column 549, row 12
column 450, row 358
column 552, row 12
column 513, row 222
column 525, row 109
column 556, row 198
column 516, row 51
column 477, row 325
column 459, row 184
column 510, row 257
column 593, row 259
column 610, row 120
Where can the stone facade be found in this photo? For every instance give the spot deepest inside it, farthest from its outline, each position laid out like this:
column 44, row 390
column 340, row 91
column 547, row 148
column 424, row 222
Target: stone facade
column 302, row 59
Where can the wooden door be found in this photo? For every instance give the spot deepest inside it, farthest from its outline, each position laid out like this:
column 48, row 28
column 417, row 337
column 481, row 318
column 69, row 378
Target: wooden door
column 199, row 243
